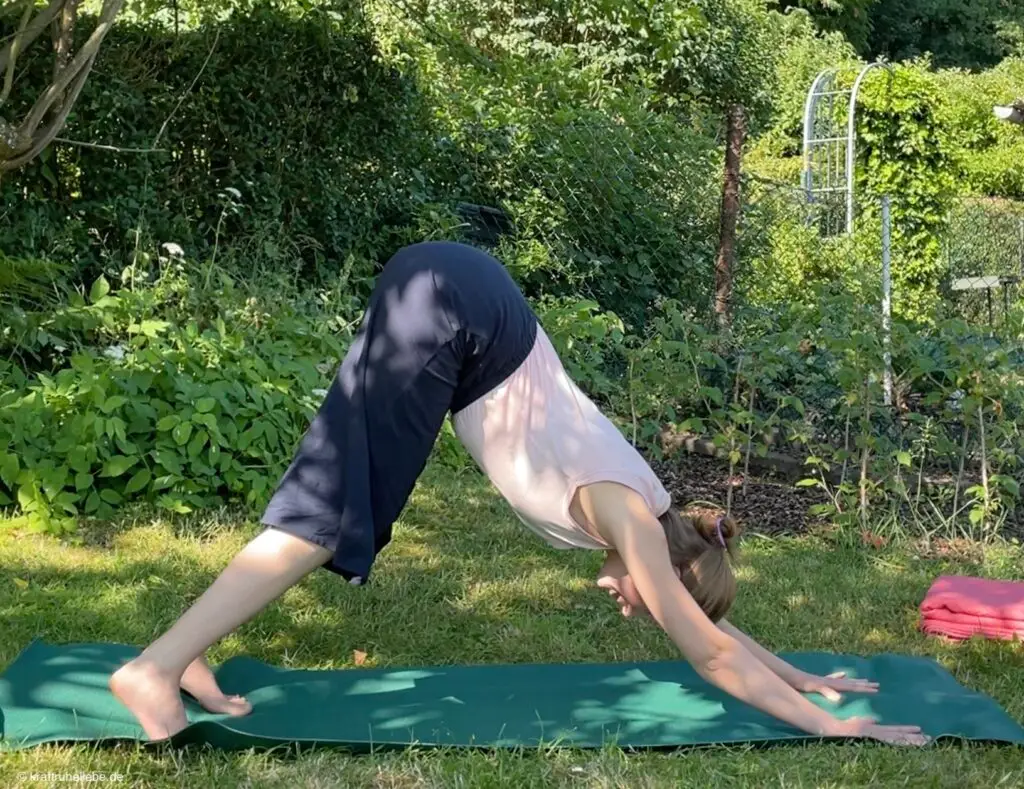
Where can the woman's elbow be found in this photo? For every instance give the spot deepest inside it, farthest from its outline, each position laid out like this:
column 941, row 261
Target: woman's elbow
column 718, row 655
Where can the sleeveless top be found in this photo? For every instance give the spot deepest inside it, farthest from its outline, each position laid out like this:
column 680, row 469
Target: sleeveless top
column 539, row 438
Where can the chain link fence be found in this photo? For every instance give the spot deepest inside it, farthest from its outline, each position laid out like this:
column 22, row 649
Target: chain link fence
column 983, row 251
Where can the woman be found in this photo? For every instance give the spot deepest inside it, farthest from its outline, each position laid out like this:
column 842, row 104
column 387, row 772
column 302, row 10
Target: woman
column 447, row 330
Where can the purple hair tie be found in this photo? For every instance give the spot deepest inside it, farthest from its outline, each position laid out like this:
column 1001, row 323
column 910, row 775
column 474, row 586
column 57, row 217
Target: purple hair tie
column 718, row 530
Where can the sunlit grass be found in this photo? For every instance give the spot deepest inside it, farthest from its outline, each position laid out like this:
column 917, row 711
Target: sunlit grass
column 463, row 582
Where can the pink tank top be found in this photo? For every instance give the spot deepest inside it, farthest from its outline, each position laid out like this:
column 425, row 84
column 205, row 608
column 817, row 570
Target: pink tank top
column 539, row 438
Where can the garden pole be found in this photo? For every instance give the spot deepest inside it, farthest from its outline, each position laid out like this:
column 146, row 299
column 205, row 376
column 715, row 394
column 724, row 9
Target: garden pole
column 887, row 297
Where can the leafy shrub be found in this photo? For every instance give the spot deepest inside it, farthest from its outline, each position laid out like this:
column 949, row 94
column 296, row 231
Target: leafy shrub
column 809, row 382
column 907, row 153
column 141, row 408
column 326, row 159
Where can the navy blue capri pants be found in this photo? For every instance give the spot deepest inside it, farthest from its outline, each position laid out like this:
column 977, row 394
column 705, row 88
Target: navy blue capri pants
column 445, row 325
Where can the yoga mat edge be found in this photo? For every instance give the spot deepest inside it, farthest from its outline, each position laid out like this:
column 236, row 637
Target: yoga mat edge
column 59, row 694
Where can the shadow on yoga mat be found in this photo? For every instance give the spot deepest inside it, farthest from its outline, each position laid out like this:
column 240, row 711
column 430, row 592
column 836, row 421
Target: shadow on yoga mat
column 59, row 694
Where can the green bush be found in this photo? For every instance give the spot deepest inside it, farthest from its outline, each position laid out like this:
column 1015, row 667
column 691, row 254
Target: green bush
column 137, row 407
column 807, row 381
column 993, row 149
column 297, row 146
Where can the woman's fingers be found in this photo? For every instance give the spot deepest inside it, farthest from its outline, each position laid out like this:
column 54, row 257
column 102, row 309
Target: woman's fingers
column 830, row 694
column 894, row 735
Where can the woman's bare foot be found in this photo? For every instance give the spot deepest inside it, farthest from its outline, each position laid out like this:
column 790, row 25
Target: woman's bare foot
column 152, row 696
column 199, row 681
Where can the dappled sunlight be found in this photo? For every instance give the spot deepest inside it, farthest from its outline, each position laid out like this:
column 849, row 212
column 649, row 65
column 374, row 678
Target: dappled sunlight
column 536, row 590
column 880, row 639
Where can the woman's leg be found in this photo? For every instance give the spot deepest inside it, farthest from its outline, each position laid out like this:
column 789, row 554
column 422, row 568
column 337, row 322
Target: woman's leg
column 267, row 567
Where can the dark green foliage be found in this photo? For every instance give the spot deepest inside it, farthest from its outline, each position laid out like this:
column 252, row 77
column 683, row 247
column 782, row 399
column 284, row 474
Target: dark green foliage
column 322, row 142
column 851, row 18
column 971, row 34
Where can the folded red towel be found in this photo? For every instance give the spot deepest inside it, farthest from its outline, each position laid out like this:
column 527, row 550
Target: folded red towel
column 944, row 623
column 961, row 607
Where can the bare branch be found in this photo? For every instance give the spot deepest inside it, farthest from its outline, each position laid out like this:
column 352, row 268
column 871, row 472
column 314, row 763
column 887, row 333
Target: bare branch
column 82, row 60
column 209, row 55
column 55, row 125
column 16, row 47
column 101, row 147
column 31, row 33
column 64, row 35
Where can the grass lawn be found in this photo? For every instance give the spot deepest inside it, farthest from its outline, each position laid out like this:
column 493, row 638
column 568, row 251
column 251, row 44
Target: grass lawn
column 464, row 583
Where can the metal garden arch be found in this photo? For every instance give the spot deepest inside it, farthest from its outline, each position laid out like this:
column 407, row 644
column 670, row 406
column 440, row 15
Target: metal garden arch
column 829, row 149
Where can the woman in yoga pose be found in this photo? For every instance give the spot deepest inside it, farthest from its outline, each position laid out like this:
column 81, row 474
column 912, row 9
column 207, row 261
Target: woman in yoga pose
column 448, row 330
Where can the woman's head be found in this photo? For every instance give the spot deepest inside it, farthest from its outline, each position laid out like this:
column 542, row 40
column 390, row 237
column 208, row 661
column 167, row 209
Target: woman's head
column 700, row 548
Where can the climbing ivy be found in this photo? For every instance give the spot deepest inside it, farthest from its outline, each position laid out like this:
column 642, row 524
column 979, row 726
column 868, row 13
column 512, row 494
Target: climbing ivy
column 905, row 151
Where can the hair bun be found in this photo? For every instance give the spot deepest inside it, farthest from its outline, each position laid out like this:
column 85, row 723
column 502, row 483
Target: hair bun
column 718, row 529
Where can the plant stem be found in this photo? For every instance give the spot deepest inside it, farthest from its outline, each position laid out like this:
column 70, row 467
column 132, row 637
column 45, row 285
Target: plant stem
column 865, row 452
column 846, row 451
column 984, row 461
column 960, row 473
column 632, row 399
column 750, row 440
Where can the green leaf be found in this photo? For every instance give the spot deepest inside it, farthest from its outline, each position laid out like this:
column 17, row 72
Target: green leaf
column 174, row 504
column 714, row 394
column 246, row 439
column 153, row 329
column 182, row 433
column 83, row 481
column 807, row 483
column 168, row 460
column 93, row 502
column 198, row 442
column 977, row 515
column 117, row 465
column 904, row 458
column 113, row 403
column 209, row 421
column 9, row 468
column 99, row 289
column 168, row 423
column 1010, row 485
column 138, row 481
column 205, row 404
column 78, row 459
column 110, row 496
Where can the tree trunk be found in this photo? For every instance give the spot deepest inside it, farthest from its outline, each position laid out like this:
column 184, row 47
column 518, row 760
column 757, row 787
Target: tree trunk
column 724, row 264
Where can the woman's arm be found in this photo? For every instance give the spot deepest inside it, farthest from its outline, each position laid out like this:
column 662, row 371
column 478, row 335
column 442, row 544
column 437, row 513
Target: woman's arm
column 787, row 673
column 621, row 516
column 830, row 687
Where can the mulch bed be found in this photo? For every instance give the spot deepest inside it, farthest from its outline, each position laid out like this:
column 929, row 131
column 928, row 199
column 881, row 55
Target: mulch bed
column 770, row 506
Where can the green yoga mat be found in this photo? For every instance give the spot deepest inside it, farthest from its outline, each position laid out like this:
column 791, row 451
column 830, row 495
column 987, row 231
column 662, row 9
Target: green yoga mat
column 59, row 694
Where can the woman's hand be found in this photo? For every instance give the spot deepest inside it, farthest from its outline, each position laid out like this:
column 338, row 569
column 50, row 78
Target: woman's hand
column 831, row 686
column 867, row 728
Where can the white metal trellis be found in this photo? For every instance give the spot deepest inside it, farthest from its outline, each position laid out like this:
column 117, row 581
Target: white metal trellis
column 829, row 149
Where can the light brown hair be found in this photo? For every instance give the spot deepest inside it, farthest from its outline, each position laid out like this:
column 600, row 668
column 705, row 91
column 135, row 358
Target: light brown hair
column 703, row 562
